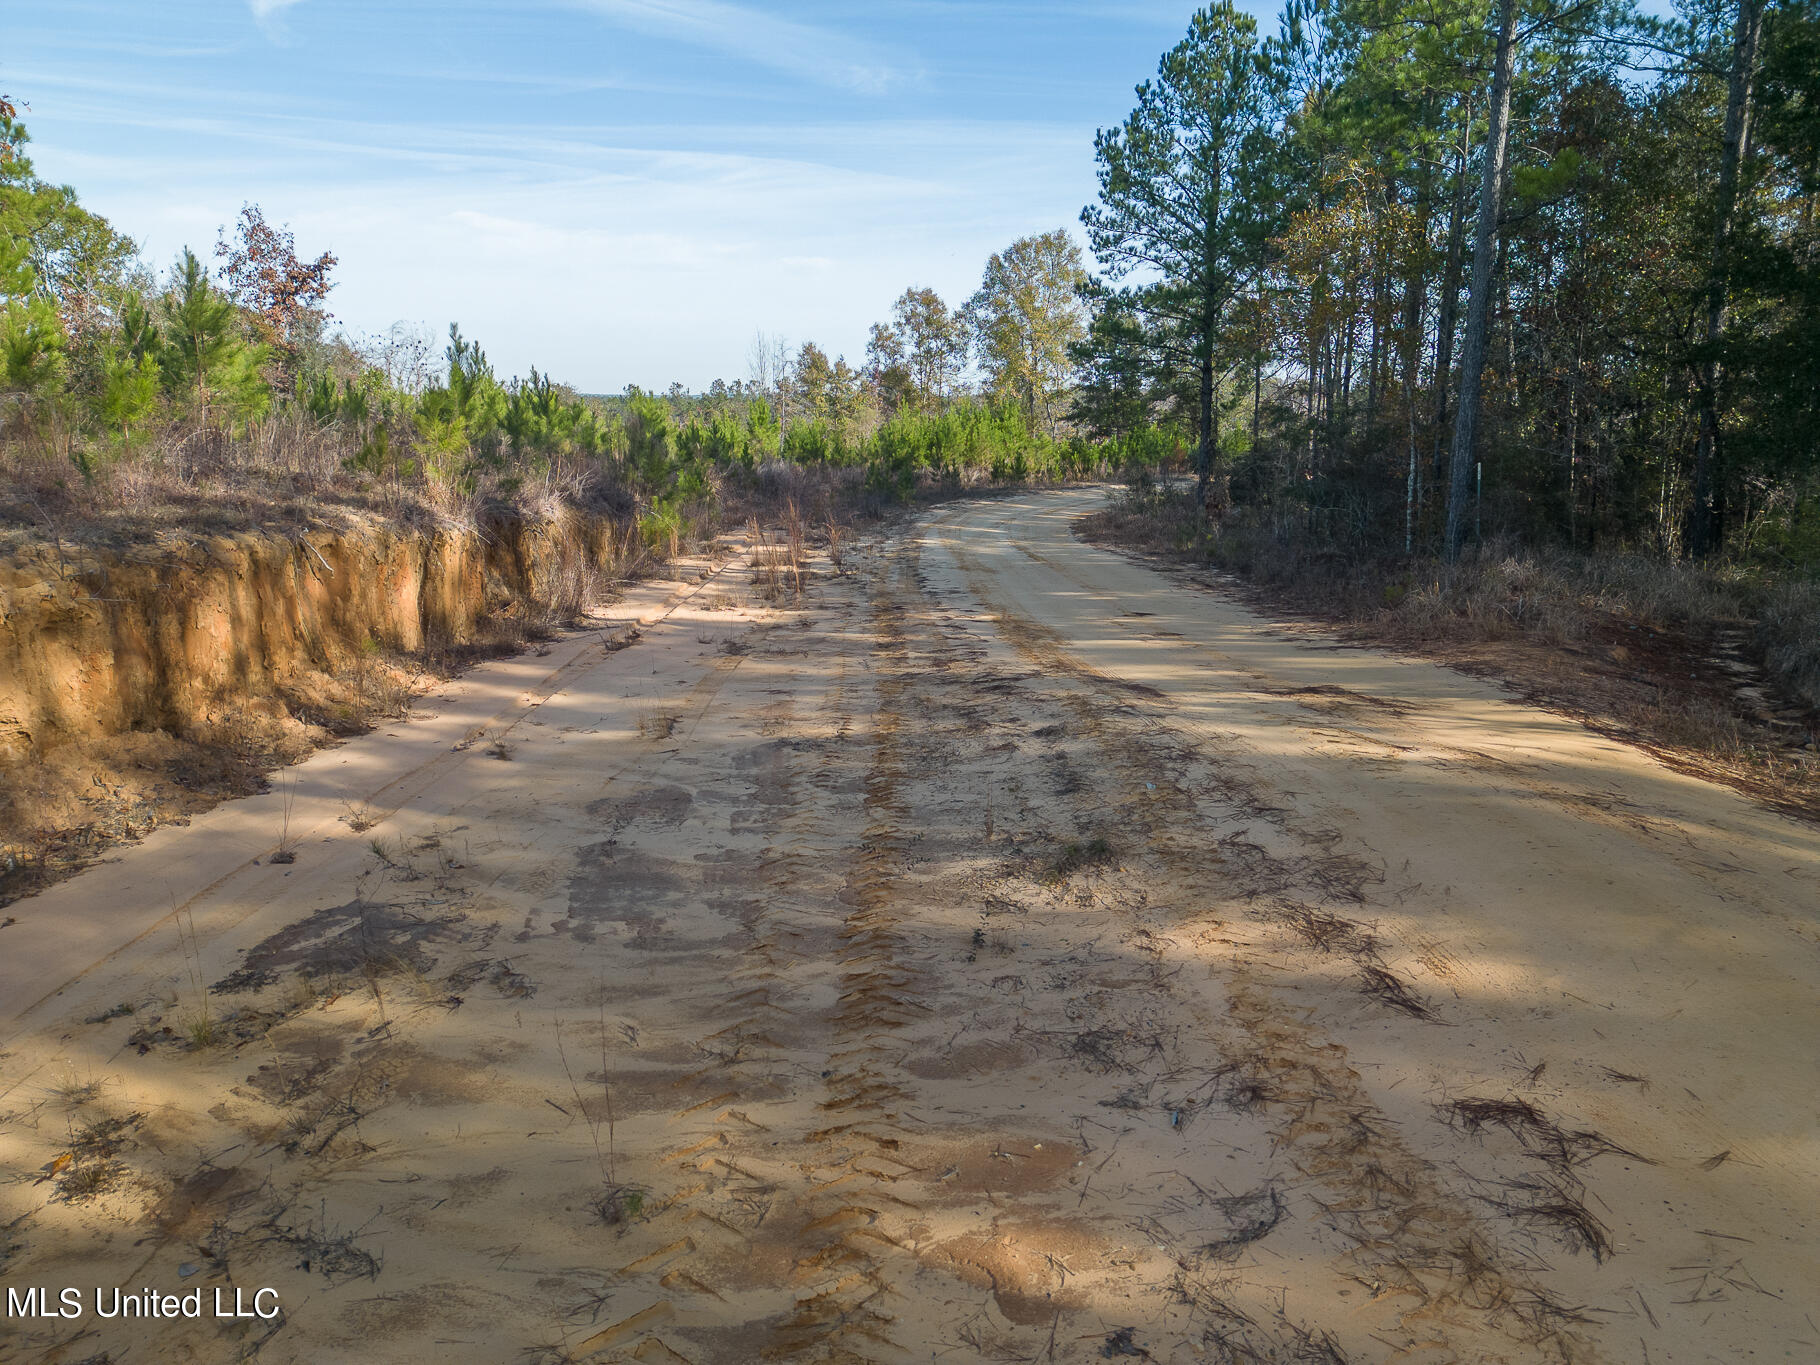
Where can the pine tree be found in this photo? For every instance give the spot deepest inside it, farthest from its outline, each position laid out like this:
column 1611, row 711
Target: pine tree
column 206, row 354
column 1175, row 197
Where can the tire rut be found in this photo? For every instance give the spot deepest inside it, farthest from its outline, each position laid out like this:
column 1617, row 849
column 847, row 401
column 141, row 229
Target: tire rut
column 855, row 1175
column 1396, row 1231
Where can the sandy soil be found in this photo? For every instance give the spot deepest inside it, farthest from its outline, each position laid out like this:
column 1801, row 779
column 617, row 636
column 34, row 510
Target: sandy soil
column 1003, row 954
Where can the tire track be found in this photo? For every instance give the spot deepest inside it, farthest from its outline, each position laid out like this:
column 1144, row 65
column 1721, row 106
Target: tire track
column 749, row 1183
column 845, row 1179
column 1401, row 1235
column 845, row 1313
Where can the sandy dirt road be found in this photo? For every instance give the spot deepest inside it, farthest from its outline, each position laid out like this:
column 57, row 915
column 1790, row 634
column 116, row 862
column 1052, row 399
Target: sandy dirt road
column 1006, row 953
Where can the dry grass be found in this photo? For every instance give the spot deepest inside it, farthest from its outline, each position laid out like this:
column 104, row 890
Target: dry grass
column 779, row 555
column 1389, row 989
column 284, row 473
column 321, row 1248
column 1557, row 1206
column 1498, row 590
column 1540, row 1136
column 359, row 816
column 617, row 1205
column 657, row 723
column 1788, row 630
column 1329, row 933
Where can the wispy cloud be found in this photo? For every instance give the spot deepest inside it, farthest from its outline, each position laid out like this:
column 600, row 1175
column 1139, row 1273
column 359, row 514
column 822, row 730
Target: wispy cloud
column 803, row 50
column 269, row 15
column 601, row 262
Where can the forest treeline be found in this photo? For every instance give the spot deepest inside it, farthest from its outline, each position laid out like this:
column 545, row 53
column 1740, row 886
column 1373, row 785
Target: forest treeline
column 1394, row 278
column 1422, row 271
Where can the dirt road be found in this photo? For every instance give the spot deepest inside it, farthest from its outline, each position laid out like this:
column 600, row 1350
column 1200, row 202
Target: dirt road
column 1008, row 953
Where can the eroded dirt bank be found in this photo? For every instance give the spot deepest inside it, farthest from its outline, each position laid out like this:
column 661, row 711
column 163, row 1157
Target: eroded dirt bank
column 1005, row 955
column 140, row 686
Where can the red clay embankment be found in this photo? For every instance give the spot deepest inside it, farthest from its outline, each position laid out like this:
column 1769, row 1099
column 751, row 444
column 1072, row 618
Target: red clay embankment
column 140, row 684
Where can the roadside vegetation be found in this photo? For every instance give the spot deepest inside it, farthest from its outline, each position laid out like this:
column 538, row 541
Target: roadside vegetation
column 1498, row 327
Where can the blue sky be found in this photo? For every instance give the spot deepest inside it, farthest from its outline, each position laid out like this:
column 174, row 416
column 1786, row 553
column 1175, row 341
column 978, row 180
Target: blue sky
column 618, row 191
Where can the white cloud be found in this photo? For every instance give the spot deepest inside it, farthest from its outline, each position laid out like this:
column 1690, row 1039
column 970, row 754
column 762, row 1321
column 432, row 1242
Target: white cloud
column 269, row 15
column 801, row 50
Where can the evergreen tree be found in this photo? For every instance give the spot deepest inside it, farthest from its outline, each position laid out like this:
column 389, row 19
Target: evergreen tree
column 207, row 356
column 1112, row 400
column 1176, row 197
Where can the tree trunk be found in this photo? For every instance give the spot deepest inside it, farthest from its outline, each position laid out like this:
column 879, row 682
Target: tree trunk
column 1409, row 486
column 1573, row 439
column 1212, row 296
column 1448, row 311
column 1203, row 459
column 1347, row 353
column 1409, row 340
column 1484, row 258
column 1330, row 384
column 1314, row 363
column 1705, row 526
column 1257, row 394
